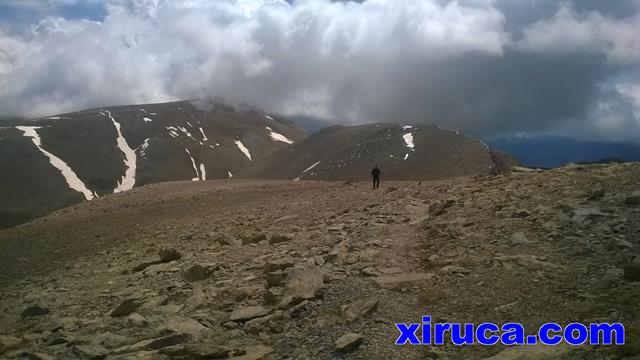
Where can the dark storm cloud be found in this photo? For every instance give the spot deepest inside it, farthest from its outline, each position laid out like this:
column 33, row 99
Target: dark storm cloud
column 482, row 66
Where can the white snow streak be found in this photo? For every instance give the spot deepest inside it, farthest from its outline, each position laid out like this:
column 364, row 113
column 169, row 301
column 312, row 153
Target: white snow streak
column 69, row 175
column 193, row 163
column 230, row 174
column 203, row 172
column 146, row 119
column 244, row 149
column 269, row 117
column 311, row 167
column 204, row 137
column 279, row 137
column 130, row 159
column 143, row 148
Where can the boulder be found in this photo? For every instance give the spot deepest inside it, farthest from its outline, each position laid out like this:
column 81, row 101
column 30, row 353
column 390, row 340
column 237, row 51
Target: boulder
column 126, row 308
column 248, row 313
column 348, row 342
column 303, row 283
column 359, row 308
column 90, row 352
column 278, row 238
column 633, row 199
column 34, row 310
column 169, row 254
column 195, row 273
column 253, row 238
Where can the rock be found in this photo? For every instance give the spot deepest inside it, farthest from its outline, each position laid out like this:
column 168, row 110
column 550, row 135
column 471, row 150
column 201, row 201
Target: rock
column 199, row 351
column 248, row 313
column 348, row 342
column 255, row 352
column 453, row 269
column 359, row 308
column 272, row 266
column 520, row 238
column 90, row 352
column 522, row 169
column 276, row 239
column 261, row 324
column 597, row 192
column 536, row 352
column 169, row 254
column 303, row 283
column 163, row 342
column 633, row 199
column 632, row 272
column 253, row 238
column 438, row 207
column 394, row 281
column 8, row 343
column 195, row 273
column 34, row 310
column 272, row 295
column 521, row 213
column 275, row 278
column 126, row 307
column 223, row 239
column 136, row 319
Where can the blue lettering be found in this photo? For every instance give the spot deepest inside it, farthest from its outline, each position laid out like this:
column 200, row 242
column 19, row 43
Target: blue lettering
column 570, row 334
column 407, row 333
column 440, row 330
column 607, row 331
column 457, row 338
column 481, row 334
column 513, row 334
column 543, row 334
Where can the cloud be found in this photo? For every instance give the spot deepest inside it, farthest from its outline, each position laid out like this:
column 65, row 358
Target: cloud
column 484, row 66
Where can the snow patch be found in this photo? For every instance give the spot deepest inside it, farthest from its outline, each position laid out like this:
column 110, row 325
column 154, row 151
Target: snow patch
column 204, row 137
column 203, row 172
column 408, row 140
column 193, row 163
column 69, row 175
column 130, row 158
column 230, row 174
column 142, row 149
column 269, row 117
column 310, row 167
column 244, row 149
column 146, row 119
column 278, row 137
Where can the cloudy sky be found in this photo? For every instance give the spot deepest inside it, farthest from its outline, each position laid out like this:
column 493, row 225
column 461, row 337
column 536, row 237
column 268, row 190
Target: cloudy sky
column 487, row 67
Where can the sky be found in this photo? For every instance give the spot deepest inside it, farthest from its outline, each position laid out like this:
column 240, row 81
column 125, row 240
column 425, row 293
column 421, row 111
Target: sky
column 486, row 67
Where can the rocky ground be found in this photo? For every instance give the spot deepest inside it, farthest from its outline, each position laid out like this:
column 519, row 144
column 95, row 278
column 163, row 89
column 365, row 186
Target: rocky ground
column 323, row 270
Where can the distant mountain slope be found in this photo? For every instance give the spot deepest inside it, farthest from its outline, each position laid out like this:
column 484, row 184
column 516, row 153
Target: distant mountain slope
column 52, row 162
column 402, row 152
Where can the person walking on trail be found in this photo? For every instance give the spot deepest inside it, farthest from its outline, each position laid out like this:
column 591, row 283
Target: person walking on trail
column 376, row 173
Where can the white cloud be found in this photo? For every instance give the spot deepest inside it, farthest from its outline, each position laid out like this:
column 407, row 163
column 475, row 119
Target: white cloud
column 570, row 32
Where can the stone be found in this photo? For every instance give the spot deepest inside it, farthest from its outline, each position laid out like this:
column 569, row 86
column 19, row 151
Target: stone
column 275, row 278
column 303, row 283
column 136, row 319
column 165, row 341
column 272, row 295
column 260, row 324
column 195, row 273
column 454, row 269
column 90, row 352
column 633, row 199
column 390, row 282
column 169, row 254
column 438, row 207
column 348, row 342
column 277, row 238
column 126, row 307
column 8, row 343
column 198, row 351
column 520, row 238
column 596, row 193
column 248, row 313
column 253, row 238
column 359, row 308
column 632, row 272
column 35, row 310
column 271, row 266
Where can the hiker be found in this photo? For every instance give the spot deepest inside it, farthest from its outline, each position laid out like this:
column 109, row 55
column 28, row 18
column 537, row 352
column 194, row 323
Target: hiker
column 376, row 173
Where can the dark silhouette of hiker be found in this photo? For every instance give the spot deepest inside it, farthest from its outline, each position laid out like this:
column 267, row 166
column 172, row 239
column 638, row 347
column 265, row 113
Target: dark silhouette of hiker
column 376, row 173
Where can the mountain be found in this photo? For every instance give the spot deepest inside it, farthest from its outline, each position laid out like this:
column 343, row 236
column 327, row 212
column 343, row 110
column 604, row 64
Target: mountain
column 423, row 152
column 552, row 151
column 49, row 163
